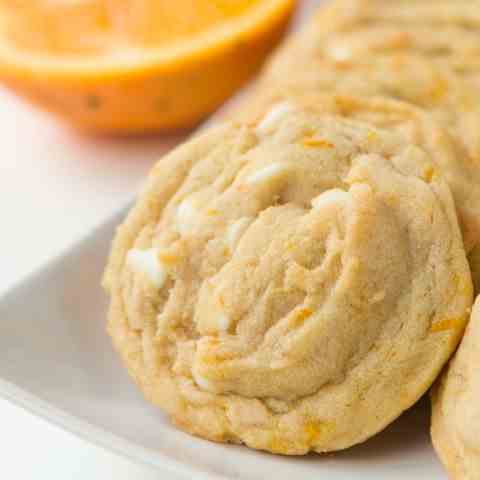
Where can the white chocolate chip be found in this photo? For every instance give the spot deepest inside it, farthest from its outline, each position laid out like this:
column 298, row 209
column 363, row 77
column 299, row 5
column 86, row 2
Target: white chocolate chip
column 378, row 297
column 223, row 323
column 202, row 382
column 330, row 197
column 147, row 262
column 236, row 230
column 339, row 52
column 273, row 171
column 276, row 112
column 186, row 214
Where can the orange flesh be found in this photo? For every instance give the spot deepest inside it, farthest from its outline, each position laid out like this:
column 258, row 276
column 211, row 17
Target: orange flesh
column 102, row 27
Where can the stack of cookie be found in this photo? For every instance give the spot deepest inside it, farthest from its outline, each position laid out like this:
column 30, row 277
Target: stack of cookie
column 297, row 277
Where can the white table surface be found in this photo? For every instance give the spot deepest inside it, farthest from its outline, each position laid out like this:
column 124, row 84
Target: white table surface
column 55, row 185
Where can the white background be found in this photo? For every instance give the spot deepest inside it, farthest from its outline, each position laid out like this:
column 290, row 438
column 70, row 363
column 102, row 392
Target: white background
column 55, row 185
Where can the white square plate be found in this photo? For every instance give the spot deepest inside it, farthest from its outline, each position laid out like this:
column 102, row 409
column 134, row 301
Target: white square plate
column 57, row 361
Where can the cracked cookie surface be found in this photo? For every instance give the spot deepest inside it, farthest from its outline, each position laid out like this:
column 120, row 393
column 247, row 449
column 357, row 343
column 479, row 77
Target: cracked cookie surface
column 293, row 282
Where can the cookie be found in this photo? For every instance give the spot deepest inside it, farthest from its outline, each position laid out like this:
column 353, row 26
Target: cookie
column 456, row 407
column 459, row 169
column 293, row 282
column 453, row 100
column 438, row 13
column 444, row 33
column 346, row 51
column 426, row 53
column 451, row 46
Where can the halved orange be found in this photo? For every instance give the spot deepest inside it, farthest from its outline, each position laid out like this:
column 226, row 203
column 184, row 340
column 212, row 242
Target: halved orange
column 135, row 65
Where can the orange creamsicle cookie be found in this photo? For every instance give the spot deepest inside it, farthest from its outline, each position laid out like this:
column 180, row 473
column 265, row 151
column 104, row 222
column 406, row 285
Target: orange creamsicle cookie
column 293, row 282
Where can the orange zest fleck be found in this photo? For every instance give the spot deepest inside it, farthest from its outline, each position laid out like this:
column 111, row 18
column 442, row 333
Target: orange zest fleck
column 428, row 174
column 448, row 324
column 302, row 315
column 167, row 257
column 313, row 430
column 280, row 445
column 317, row 142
